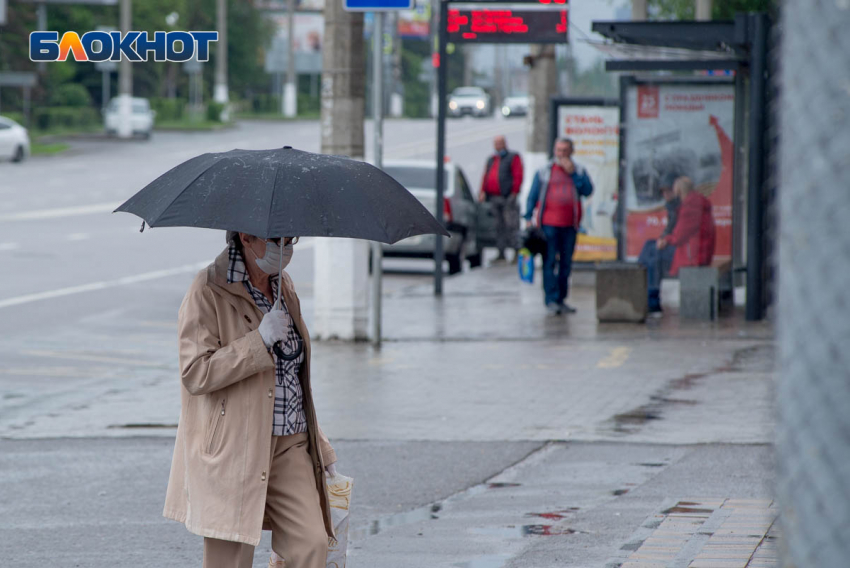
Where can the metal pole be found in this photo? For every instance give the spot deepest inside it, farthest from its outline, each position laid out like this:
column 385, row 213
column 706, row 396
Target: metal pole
column 755, row 216
column 104, row 89
column 638, row 10
column 378, row 119
column 703, row 10
column 41, row 14
column 442, row 78
column 290, row 96
column 125, row 69
column 220, row 94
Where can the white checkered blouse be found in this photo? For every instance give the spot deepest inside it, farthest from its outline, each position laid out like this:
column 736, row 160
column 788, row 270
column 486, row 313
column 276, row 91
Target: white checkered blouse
column 289, row 417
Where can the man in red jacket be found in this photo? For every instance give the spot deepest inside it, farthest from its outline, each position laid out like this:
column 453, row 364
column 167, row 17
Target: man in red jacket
column 500, row 187
column 694, row 235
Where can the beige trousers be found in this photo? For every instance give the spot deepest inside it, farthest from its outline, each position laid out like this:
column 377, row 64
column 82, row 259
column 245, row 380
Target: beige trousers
column 292, row 506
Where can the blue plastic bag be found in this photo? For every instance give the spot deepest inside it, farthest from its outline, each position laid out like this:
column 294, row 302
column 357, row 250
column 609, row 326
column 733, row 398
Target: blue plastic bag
column 525, row 265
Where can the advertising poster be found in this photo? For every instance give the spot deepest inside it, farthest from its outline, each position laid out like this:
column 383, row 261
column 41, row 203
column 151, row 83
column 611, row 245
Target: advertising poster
column 415, row 23
column 677, row 130
column 595, row 132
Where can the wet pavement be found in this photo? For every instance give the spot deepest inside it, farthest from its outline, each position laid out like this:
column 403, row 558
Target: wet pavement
column 483, row 433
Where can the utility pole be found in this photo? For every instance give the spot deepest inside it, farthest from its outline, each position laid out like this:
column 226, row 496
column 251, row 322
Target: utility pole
column 220, row 94
column 542, row 84
column 703, row 10
column 341, row 278
column 290, row 91
column 638, row 10
column 125, row 76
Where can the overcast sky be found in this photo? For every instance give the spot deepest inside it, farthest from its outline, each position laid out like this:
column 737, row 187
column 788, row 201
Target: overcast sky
column 582, row 13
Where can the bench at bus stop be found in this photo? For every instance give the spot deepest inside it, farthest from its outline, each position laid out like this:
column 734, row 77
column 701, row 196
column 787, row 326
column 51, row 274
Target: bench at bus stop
column 705, row 292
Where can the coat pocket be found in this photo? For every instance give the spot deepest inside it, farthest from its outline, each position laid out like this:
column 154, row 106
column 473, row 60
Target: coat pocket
column 214, row 430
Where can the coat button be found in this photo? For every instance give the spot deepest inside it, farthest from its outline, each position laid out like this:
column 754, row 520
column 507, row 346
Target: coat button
column 271, row 394
column 263, row 476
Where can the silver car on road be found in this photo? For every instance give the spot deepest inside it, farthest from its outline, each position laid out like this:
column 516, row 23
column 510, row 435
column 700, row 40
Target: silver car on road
column 460, row 212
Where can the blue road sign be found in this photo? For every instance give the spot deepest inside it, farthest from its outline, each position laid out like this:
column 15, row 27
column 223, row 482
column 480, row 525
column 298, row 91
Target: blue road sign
column 376, row 5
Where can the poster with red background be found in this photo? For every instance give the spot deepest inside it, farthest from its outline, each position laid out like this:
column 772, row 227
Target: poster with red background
column 677, row 130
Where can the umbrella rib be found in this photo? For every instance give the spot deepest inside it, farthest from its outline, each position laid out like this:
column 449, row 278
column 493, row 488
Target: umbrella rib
column 179, row 193
column 271, row 203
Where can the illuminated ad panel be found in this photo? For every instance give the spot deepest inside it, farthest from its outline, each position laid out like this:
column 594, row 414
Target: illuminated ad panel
column 530, row 22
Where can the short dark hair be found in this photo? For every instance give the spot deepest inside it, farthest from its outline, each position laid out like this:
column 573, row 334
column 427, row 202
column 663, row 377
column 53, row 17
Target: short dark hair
column 567, row 140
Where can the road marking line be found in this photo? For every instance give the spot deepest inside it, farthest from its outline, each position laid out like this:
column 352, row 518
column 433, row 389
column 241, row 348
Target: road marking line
column 61, row 212
column 78, row 237
column 617, row 357
column 97, row 358
column 144, row 277
column 9, row 246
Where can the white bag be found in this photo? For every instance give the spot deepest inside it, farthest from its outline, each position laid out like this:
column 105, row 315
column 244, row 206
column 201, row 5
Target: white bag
column 339, row 493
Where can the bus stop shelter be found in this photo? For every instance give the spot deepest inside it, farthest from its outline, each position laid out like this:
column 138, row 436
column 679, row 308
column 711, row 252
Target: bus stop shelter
column 741, row 46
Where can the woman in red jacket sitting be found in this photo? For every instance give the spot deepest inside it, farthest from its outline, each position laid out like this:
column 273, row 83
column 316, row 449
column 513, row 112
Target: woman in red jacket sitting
column 694, row 235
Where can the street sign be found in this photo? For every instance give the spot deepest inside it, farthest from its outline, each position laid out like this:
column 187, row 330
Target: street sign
column 507, row 25
column 376, row 5
column 24, row 79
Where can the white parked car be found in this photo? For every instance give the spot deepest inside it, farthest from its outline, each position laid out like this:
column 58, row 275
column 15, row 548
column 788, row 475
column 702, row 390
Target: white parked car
column 469, row 100
column 515, row 105
column 14, row 140
column 141, row 116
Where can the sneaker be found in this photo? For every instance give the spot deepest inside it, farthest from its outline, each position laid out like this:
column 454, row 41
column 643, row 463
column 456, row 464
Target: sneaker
column 565, row 307
column 656, row 315
column 553, row 308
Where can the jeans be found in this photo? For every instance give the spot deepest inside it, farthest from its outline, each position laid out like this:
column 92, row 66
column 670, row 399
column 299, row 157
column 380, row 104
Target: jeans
column 560, row 245
column 657, row 263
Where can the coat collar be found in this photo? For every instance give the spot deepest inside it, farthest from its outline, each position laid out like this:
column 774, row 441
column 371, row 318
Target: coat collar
column 218, row 277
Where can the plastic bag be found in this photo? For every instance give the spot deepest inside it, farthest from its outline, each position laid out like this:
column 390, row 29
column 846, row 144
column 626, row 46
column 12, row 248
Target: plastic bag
column 525, row 265
column 339, row 493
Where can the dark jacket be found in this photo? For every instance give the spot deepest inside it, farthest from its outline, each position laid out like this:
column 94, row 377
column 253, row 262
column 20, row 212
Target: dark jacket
column 672, row 216
column 510, row 173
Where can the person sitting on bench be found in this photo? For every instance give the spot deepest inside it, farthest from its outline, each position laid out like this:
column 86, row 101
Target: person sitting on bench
column 694, row 235
column 658, row 262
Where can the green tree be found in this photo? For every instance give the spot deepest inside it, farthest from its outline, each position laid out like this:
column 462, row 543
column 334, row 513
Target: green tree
column 720, row 10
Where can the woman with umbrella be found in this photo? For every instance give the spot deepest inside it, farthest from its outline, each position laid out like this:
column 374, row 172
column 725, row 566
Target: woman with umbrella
column 249, row 452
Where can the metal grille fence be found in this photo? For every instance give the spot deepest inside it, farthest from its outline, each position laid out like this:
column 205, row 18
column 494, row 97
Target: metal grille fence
column 813, row 433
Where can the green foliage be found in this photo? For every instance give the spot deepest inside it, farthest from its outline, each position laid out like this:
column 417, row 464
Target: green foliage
column 168, row 109
column 214, row 111
column 55, row 118
column 721, row 9
column 70, row 95
column 417, row 93
column 593, row 82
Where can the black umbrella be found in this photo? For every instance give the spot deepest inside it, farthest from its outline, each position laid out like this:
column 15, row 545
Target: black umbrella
column 283, row 192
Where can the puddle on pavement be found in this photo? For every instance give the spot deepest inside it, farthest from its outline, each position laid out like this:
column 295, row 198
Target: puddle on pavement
column 554, row 515
column 520, row 531
column 618, row 492
column 502, row 485
column 379, row 525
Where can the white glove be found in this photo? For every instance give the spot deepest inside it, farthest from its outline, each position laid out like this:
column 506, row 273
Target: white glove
column 331, row 469
column 274, row 327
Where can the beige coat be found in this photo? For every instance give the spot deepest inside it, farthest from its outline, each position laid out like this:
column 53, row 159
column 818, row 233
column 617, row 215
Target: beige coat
column 220, row 467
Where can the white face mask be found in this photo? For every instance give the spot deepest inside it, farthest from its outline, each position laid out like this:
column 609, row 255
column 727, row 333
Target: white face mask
column 270, row 261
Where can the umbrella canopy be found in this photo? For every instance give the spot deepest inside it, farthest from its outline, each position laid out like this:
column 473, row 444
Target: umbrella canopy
column 283, row 192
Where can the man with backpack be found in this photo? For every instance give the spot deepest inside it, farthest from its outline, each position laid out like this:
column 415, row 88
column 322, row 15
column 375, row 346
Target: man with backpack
column 500, row 188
